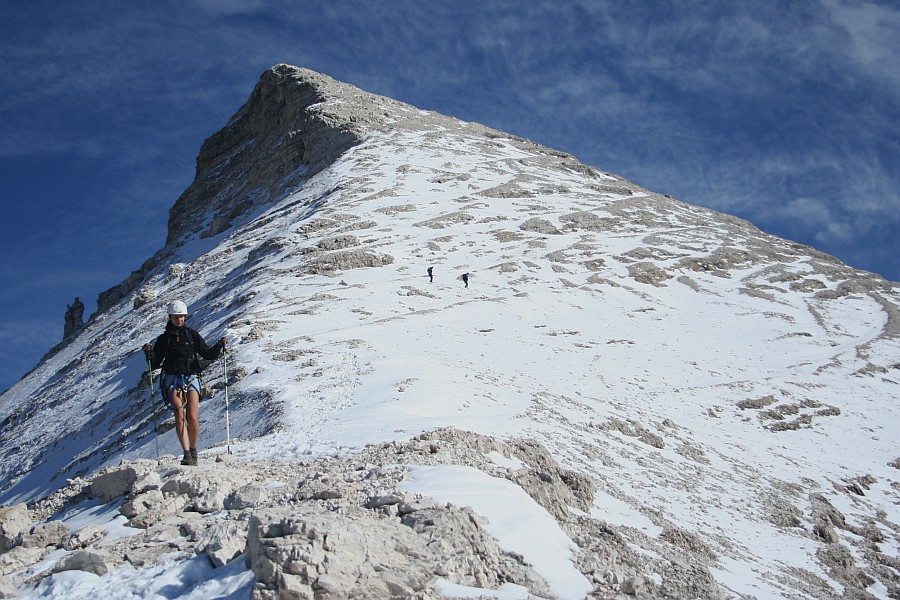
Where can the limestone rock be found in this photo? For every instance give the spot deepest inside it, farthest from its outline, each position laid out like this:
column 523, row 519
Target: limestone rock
column 632, row 586
column 21, row 557
column 359, row 553
column 8, row 588
column 646, row 272
column 74, row 319
column 142, row 297
column 223, row 542
column 13, row 521
column 295, row 119
column 552, row 487
column 114, row 483
column 85, row 537
column 94, row 562
column 145, row 509
column 341, row 526
column 44, row 535
column 141, row 503
column 539, row 225
column 211, row 500
column 248, row 496
column 347, row 259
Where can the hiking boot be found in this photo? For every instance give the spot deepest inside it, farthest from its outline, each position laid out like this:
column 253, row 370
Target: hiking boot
column 193, row 457
column 188, row 459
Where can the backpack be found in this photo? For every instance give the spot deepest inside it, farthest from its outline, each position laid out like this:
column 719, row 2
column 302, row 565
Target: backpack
column 181, row 353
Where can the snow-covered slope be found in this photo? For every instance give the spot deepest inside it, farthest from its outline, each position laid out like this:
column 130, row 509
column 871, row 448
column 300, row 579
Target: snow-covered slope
column 719, row 385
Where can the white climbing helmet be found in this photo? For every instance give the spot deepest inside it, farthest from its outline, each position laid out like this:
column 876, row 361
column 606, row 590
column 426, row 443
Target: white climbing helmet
column 177, row 308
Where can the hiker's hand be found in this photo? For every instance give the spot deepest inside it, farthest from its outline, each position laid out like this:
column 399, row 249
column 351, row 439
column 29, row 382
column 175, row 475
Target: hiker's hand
column 223, row 342
column 147, row 348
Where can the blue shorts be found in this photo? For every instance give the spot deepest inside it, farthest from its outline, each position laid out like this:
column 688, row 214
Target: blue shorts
column 170, row 383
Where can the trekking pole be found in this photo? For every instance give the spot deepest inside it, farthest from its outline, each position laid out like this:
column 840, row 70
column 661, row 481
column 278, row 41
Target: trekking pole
column 153, row 408
column 227, row 417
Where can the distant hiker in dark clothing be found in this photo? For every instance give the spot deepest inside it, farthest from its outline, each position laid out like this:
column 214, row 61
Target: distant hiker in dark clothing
column 465, row 278
column 430, row 274
column 178, row 351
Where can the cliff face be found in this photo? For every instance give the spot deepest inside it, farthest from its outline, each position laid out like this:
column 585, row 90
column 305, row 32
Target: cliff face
column 295, row 123
column 288, row 130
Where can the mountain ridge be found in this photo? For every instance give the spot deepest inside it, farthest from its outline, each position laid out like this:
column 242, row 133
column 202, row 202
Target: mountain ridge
column 300, row 121
column 677, row 357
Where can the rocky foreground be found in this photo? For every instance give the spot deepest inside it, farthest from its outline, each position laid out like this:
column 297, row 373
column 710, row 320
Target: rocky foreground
column 341, row 527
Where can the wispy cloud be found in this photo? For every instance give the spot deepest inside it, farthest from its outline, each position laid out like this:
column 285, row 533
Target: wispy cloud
column 874, row 43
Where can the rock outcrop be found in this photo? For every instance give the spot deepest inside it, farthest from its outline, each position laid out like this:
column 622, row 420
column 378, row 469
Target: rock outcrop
column 285, row 132
column 338, row 527
column 295, row 123
column 74, row 319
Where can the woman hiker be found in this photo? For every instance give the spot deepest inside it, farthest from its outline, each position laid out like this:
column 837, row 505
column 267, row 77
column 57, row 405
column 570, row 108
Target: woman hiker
column 177, row 351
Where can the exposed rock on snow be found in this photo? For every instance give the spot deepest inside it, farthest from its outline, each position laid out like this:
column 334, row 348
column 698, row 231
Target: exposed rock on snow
column 334, row 262
column 97, row 563
column 539, row 225
column 343, row 527
column 13, row 521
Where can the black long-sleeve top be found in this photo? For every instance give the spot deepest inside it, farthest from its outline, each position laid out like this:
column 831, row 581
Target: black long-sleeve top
column 178, row 351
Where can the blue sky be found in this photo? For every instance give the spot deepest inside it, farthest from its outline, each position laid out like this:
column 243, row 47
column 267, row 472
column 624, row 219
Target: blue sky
column 784, row 113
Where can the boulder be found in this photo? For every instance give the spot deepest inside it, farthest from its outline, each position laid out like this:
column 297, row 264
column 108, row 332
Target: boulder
column 45, row 535
column 247, row 496
column 8, row 588
column 98, row 563
column 85, row 537
column 325, row 554
column 223, row 542
column 649, row 273
column 13, row 521
column 114, row 483
column 357, row 552
column 539, row 226
column 211, row 500
column 144, row 510
column 20, row 558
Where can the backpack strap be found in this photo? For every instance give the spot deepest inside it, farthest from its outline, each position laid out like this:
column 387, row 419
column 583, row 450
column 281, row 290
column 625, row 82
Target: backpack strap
column 192, row 340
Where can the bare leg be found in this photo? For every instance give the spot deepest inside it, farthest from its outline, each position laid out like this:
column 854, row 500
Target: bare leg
column 180, row 429
column 193, row 418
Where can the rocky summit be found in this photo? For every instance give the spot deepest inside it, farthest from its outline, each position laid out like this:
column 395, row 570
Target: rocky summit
column 460, row 365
